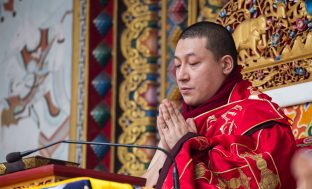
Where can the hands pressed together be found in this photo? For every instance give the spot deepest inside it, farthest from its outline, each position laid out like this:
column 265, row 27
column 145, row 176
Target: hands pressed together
column 171, row 125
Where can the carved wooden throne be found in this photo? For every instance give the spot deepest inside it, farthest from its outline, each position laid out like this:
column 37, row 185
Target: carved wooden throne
column 274, row 41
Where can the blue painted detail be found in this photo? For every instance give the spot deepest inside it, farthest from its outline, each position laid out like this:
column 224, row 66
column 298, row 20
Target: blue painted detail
column 252, row 10
column 103, row 23
column 103, row 2
column 131, row 95
column 100, row 150
column 222, row 13
column 102, row 83
column 229, row 28
column 152, row 77
column 154, row 7
column 278, row 57
column 300, row 71
column 151, row 113
column 292, row 34
column 101, row 167
column 101, row 114
column 275, row 39
column 79, row 184
column 308, row 5
column 309, row 25
column 310, row 130
column 102, row 53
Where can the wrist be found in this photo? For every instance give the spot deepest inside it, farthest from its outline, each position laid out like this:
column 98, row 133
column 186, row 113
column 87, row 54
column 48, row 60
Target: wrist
column 162, row 144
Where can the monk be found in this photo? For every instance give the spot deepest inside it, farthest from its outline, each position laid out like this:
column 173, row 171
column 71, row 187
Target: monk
column 302, row 168
column 229, row 135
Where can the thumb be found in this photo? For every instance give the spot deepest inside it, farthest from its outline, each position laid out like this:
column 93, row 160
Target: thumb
column 191, row 125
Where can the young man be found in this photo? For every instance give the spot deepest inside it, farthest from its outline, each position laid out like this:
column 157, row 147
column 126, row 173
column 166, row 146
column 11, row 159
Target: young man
column 229, row 135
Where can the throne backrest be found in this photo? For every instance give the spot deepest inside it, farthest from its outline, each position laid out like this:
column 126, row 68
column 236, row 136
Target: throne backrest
column 274, row 42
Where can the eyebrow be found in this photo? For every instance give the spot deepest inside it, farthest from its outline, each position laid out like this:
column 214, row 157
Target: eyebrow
column 187, row 55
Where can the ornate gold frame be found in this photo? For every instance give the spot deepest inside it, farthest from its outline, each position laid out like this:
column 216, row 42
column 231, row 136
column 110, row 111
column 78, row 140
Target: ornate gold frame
column 79, row 80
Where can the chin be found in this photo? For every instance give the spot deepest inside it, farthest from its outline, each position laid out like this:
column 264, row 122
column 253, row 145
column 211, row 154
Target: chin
column 190, row 102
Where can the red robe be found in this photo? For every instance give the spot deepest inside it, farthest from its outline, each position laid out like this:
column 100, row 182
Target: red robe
column 246, row 143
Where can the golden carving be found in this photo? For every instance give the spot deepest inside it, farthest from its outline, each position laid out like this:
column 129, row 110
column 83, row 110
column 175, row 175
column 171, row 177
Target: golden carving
column 174, row 37
column 209, row 9
column 283, row 74
column 2, row 169
column 142, row 89
column 248, row 34
column 140, row 50
column 268, row 36
column 34, row 162
column 133, row 155
column 35, row 182
column 147, row 45
column 175, row 94
column 144, row 154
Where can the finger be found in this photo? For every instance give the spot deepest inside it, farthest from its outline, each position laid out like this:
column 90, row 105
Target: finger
column 161, row 127
column 162, row 137
column 161, row 134
column 172, row 112
column 178, row 113
column 164, row 101
column 180, row 119
column 160, row 121
column 191, row 125
column 166, row 116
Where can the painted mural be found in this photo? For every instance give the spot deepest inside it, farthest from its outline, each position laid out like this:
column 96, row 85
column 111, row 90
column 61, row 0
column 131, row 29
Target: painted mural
column 125, row 67
column 301, row 119
column 35, row 79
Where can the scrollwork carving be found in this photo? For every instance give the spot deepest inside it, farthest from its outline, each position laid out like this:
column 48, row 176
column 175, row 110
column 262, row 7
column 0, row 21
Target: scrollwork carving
column 268, row 33
column 137, row 90
column 284, row 74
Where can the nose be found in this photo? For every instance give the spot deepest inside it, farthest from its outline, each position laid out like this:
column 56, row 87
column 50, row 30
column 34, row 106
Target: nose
column 182, row 73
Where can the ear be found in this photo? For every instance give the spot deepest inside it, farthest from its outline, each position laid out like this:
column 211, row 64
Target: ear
column 227, row 64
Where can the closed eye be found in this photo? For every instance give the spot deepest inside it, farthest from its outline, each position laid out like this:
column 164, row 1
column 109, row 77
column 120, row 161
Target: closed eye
column 194, row 63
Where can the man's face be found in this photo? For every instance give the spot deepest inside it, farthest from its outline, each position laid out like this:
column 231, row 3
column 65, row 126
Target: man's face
column 198, row 74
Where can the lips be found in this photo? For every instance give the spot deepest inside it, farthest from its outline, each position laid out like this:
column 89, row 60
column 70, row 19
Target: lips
column 185, row 90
